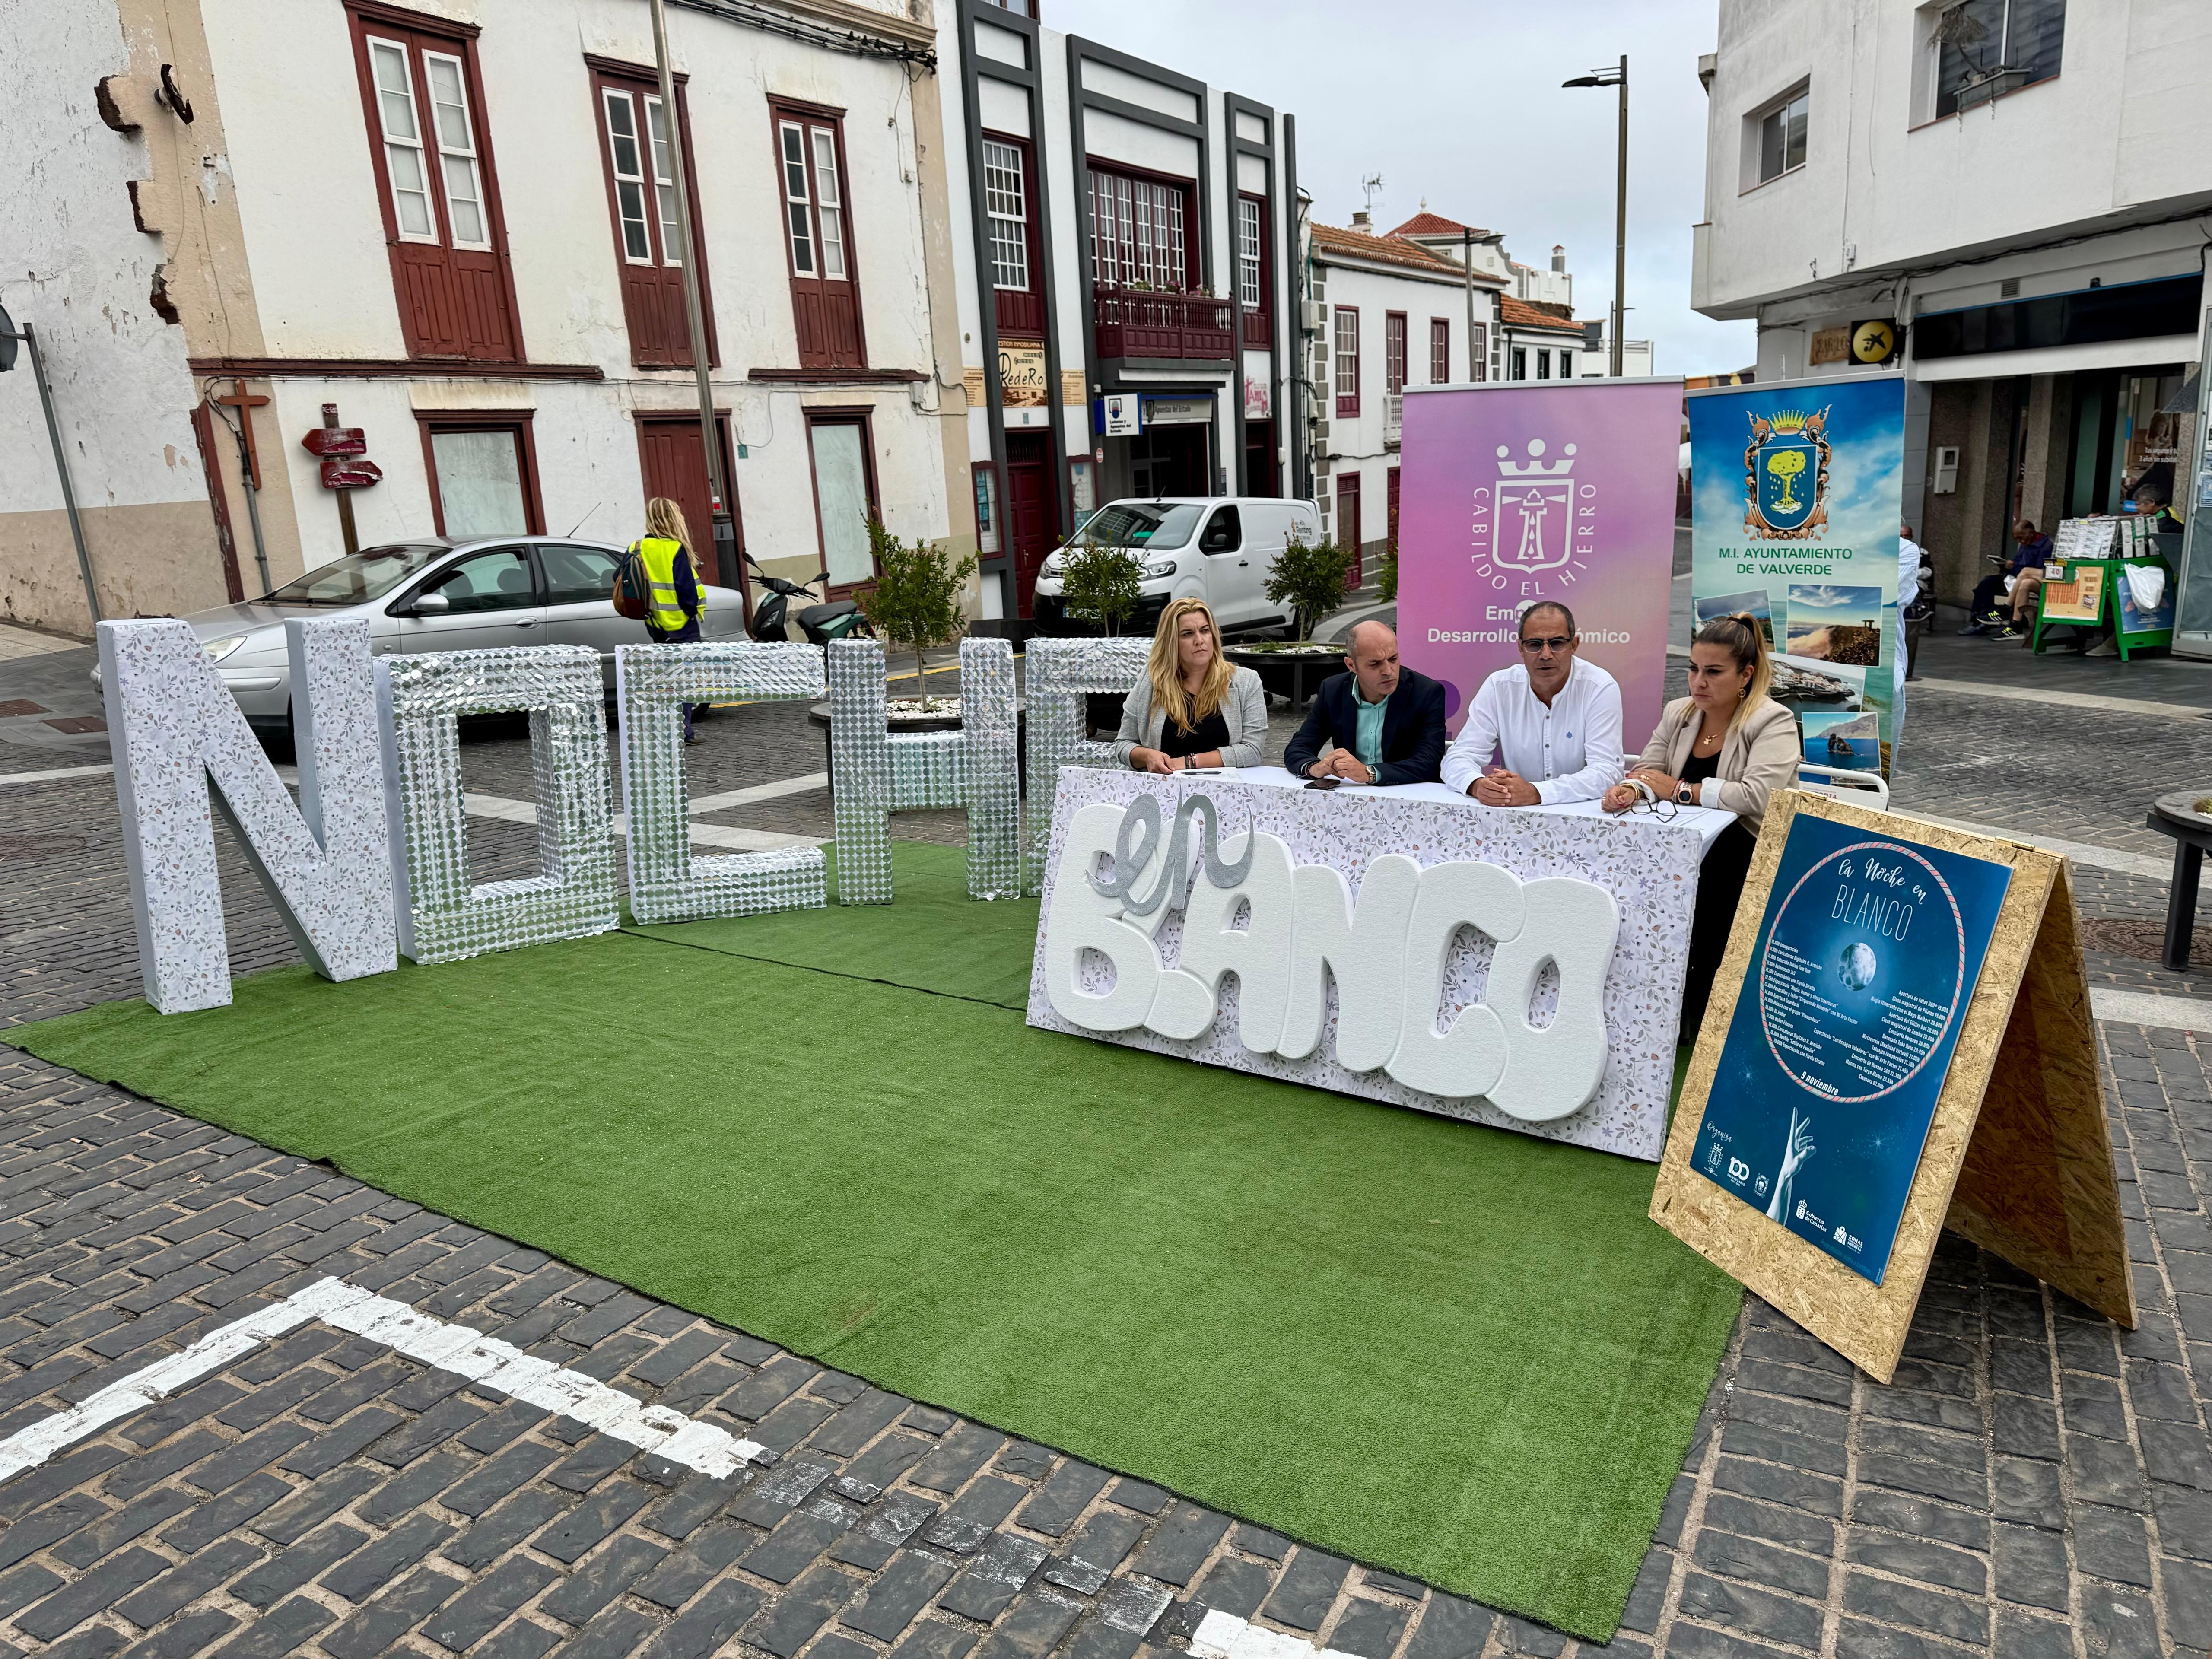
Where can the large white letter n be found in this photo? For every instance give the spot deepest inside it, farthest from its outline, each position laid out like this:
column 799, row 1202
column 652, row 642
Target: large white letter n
column 172, row 725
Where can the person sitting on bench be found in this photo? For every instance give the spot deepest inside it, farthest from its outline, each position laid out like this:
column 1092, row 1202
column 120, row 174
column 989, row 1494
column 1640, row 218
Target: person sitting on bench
column 2031, row 548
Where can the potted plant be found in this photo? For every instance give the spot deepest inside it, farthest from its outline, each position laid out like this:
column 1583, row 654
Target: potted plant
column 914, row 603
column 1099, row 585
column 1311, row 580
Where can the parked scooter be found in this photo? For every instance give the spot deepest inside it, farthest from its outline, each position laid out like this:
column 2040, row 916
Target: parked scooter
column 837, row 619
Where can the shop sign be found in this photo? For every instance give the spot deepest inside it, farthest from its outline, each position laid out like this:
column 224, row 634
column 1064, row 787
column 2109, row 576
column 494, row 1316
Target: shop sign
column 1022, row 375
column 1257, row 404
column 1178, row 411
column 1121, row 414
column 1874, row 341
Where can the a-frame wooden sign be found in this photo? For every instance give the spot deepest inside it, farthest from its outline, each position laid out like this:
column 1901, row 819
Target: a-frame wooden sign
column 2017, row 1155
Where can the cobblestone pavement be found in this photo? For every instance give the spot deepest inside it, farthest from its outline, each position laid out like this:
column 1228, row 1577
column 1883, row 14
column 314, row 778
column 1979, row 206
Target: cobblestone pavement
column 2035, row 1482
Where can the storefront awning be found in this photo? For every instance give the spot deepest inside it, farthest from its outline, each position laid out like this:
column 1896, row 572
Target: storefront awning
column 2059, row 360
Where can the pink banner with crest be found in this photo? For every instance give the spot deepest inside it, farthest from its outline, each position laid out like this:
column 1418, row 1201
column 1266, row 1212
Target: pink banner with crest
column 1514, row 494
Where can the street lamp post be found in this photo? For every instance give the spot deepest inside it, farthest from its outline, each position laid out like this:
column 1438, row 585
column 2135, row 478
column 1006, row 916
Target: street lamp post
column 726, row 564
column 1616, row 78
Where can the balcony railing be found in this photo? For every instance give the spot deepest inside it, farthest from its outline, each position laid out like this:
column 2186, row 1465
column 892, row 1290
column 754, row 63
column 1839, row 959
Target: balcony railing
column 1149, row 323
column 1393, row 417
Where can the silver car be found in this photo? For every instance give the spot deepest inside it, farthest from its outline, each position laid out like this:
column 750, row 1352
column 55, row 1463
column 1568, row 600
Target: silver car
column 438, row 594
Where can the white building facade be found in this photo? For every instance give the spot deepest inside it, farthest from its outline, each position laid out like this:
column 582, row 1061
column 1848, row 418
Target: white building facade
column 456, row 223
column 1122, row 243
column 1391, row 314
column 2000, row 201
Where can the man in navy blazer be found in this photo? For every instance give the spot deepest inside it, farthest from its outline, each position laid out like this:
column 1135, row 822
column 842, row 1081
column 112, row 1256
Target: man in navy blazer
column 1387, row 722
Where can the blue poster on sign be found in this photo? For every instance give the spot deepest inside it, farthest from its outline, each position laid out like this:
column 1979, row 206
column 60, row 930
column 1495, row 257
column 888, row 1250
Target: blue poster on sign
column 1867, row 957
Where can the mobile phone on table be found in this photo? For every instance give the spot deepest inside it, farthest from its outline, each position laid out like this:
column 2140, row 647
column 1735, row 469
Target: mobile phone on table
column 1323, row 783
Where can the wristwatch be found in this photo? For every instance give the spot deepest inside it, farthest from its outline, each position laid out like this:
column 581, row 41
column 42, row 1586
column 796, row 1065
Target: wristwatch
column 1374, row 773
column 1686, row 795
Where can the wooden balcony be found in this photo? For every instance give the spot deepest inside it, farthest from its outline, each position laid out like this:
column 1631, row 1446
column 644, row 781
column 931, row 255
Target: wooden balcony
column 1149, row 323
column 1259, row 331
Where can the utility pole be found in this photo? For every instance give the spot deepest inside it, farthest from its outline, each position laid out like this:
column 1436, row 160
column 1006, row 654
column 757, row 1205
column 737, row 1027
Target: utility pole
column 724, row 526
column 1621, row 232
column 29, row 336
column 1474, row 365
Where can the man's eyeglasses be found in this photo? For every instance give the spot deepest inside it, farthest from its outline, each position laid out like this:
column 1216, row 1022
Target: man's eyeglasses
column 1653, row 807
column 1554, row 643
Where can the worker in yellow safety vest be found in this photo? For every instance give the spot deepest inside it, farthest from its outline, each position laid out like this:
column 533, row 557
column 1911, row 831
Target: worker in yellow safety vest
column 679, row 606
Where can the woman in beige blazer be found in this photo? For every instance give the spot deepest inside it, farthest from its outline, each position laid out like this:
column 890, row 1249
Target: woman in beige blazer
column 1727, row 745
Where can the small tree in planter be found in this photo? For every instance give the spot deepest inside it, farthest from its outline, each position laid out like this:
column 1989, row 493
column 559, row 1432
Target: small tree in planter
column 1100, row 584
column 915, row 602
column 1310, row 579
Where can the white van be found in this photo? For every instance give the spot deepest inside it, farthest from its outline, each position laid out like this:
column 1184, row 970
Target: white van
column 1220, row 549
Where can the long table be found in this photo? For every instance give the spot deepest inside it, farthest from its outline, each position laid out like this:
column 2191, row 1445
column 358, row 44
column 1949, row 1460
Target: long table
column 1604, row 1006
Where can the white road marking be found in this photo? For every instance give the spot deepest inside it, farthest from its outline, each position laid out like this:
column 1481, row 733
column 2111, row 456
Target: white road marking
column 781, row 786
column 1224, row 1636
column 2145, row 1008
column 484, row 1360
column 59, row 772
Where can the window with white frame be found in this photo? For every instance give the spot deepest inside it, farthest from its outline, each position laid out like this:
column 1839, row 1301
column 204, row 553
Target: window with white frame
column 1782, row 136
column 645, row 208
column 1250, row 291
column 1005, row 199
column 1137, row 231
column 813, row 198
column 404, row 163
column 1347, row 360
column 457, row 150
column 664, row 182
column 1519, row 358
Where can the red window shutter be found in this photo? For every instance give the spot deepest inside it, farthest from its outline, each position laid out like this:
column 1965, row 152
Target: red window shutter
column 439, row 193
column 640, row 202
column 825, row 291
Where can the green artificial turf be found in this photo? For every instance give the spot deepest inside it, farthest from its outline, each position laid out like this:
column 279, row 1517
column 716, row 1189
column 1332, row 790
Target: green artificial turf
column 932, row 937
column 1460, row 1354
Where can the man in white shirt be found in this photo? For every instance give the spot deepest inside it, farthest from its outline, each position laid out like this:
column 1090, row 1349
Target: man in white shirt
column 1555, row 718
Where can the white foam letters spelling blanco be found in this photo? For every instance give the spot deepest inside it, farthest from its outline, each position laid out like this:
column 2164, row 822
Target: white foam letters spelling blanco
column 1386, row 954
column 172, row 725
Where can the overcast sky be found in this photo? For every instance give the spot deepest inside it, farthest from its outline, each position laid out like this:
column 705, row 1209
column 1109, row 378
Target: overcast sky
column 1460, row 101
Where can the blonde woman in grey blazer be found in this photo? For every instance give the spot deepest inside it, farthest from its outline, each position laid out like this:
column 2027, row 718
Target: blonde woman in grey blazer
column 1729, row 745
column 1192, row 708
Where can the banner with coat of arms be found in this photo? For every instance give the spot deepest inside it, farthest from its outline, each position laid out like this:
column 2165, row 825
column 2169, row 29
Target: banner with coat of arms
column 1796, row 490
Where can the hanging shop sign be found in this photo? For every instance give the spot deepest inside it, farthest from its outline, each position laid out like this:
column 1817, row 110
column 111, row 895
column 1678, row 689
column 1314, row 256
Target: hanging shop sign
column 1796, row 491
column 1258, row 394
column 1898, row 1041
column 1512, row 494
column 1121, row 414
